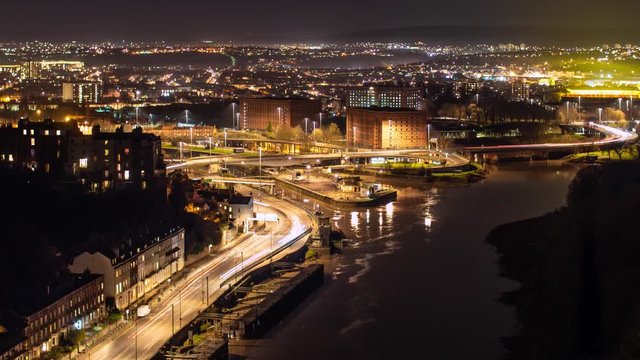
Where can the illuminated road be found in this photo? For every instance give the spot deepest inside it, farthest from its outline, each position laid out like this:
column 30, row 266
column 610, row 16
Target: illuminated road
column 239, row 159
column 614, row 136
column 154, row 330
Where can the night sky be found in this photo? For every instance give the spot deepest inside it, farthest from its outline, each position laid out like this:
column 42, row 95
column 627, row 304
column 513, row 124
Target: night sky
column 251, row 19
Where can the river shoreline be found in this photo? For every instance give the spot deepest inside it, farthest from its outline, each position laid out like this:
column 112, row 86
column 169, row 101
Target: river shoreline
column 417, row 281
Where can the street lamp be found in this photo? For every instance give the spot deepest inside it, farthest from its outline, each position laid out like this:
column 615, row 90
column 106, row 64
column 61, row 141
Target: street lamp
column 579, row 107
column 620, row 104
column 320, row 113
column 260, row 169
column 354, row 137
column 599, row 115
column 233, row 115
column 306, row 120
column 279, row 116
column 186, row 115
column 238, row 120
column 428, row 137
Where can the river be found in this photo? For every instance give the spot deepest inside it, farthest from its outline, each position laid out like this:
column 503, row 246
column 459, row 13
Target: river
column 421, row 281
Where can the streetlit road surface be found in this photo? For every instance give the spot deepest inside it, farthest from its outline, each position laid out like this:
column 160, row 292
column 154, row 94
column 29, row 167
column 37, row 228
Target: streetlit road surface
column 240, row 159
column 614, row 136
column 187, row 298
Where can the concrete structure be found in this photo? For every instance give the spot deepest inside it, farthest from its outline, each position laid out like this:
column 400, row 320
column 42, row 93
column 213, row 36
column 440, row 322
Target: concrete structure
column 384, row 128
column 77, row 303
column 384, row 96
column 134, row 269
column 82, row 92
column 258, row 113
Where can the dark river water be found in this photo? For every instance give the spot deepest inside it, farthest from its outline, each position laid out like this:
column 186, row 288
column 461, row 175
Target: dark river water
column 422, row 282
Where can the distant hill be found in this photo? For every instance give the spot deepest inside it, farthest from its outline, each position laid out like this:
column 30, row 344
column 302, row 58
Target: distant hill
column 456, row 35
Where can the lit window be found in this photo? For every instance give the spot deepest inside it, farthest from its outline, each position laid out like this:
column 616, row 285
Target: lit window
column 126, row 151
column 126, row 174
column 46, row 132
column 32, row 132
column 106, row 152
column 83, row 163
column 58, row 132
column 33, row 142
column 24, row 132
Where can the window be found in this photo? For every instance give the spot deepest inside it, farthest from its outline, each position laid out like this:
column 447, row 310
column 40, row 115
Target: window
column 126, row 174
column 58, row 132
column 33, row 142
column 83, row 163
column 106, row 152
column 46, row 132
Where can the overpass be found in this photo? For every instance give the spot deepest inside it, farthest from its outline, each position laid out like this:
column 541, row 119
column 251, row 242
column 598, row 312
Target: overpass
column 613, row 137
column 243, row 159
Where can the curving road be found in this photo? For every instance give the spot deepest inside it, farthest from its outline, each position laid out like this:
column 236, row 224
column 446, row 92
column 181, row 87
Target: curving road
column 153, row 331
column 613, row 136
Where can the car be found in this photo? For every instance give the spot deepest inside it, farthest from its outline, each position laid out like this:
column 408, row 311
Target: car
column 143, row 310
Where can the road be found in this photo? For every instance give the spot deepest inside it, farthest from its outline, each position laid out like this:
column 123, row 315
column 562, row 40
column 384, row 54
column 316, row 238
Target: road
column 613, row 136
column 186, row 299
column 285, row 160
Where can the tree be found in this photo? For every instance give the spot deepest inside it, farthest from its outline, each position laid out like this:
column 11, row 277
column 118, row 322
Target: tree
column 332, row 133
column 75, row 338
column 269, row 127
column 286, row 132
column 317, row 134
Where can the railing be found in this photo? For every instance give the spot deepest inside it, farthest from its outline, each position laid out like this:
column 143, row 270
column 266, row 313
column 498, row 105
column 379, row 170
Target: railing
column 268, row 256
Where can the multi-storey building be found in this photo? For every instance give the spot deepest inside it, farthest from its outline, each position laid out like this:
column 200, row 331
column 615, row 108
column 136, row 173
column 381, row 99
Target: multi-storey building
column 133, row 269
column 520, row 91
column 82, row 92
column 384, row 96
column 259, row 113
column 76, row 303
column 116, row 160
column 385, row 128
column 101, row 161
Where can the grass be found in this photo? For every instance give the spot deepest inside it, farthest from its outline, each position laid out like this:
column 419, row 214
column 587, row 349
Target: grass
column 601, row 155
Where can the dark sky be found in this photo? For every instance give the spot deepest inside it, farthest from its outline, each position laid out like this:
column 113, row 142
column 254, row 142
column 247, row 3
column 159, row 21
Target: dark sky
column 246, row 19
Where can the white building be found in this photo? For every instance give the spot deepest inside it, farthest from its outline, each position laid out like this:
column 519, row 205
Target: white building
column 132, row 271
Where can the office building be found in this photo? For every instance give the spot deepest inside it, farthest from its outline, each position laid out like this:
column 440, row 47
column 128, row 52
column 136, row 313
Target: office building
column 386, row 128
column 259, row 113
column 82, row 92
column 384, row 96
column 134, row 268
column 520, row 91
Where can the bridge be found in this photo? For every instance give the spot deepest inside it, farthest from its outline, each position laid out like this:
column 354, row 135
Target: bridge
column 364, row 154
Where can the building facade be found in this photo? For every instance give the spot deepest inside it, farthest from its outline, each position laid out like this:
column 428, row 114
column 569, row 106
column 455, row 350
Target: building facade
column 77, row 304
column 384, row 128
column 82, row 92
column 259, row 113
column 384, row 96
column 100, row 162
column 134, row 269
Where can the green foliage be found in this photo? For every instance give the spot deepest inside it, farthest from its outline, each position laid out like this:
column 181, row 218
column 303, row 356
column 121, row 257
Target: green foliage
column 114, row 317
column 311, row 255
column 56, row 353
